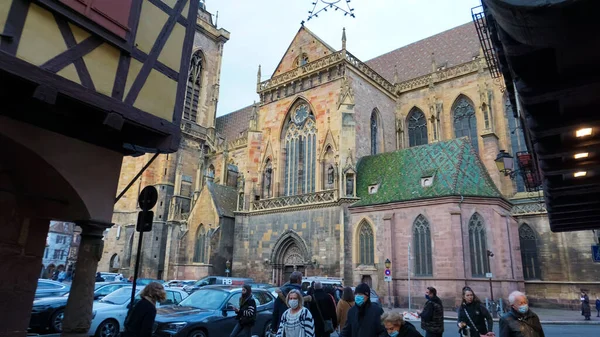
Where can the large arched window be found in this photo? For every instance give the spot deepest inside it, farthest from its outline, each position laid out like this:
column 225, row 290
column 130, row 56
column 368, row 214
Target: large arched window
column 200, row 248
column 478, row 246
column 366, row 249
column 422, row 247
column 375, row 148
column 300, row 138
column 529, row 253
column 267, row 180
column 417, row 127
column 194, row 85
column 465, row 122
column 517, row 138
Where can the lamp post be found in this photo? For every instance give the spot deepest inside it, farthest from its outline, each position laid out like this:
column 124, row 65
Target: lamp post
column 388, row 264
column 228, row 268
column 490, row 254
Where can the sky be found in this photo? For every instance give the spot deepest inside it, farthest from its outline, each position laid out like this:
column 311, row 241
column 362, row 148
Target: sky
column 261, row 31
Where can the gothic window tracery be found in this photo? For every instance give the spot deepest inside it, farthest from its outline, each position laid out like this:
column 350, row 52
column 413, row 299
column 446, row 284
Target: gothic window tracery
column 300, row 151
column 422, row 247
column 478, row 246
column 465, row 121
column 301, row 60
column 529, row 253
column 200, row 246
column 194, row 86
column 375, row 146
column 417, row 127
column 366, row 247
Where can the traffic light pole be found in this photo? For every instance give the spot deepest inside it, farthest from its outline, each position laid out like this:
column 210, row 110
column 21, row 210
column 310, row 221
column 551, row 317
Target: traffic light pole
column 137, row 267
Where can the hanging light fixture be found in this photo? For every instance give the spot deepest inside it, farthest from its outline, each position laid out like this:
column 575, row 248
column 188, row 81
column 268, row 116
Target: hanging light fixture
column 505, row 162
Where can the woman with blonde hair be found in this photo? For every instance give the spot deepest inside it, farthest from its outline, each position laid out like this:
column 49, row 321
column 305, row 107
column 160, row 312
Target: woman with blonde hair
column 296, row 321
column 396, row 326
column 344, row 305
column 140, row 319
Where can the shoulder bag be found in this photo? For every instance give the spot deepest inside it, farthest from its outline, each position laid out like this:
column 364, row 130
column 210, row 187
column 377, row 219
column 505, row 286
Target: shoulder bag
column 327, row 323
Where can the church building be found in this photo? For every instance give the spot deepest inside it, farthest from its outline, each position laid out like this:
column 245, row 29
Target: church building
column 343, row 164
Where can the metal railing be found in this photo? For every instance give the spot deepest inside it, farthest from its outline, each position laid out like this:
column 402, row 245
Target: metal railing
column 314, row 198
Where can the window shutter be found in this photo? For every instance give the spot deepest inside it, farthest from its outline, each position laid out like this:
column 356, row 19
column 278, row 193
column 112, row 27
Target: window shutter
column 110, row 14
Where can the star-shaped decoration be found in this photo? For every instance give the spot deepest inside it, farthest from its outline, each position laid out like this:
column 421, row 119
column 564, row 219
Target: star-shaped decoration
column 334, row 5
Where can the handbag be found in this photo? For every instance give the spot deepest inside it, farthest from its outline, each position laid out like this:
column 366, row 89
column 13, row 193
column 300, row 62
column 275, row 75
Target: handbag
column 327, row 323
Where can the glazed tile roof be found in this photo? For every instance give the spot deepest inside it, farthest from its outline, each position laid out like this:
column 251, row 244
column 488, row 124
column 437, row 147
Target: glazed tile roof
column 224, row 197
column 454, row 165
column 232, row 125
column 452, row 47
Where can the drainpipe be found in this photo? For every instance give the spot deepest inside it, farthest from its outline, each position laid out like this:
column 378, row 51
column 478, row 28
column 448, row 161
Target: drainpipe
column 462, row 238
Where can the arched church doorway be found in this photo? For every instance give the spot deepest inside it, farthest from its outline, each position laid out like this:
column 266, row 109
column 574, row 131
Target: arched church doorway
column 289, row 254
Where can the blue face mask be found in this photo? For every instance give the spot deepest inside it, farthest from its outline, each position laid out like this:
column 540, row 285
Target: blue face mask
column 394, row 334
column 427, row 297
column 359, row 300
column 523, row 308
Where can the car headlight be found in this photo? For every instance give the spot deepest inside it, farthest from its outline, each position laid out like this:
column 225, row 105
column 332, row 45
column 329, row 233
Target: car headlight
column 175, row 326
column 93, row 314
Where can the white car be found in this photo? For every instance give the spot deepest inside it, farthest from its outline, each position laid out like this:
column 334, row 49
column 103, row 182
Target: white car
column 110, row 312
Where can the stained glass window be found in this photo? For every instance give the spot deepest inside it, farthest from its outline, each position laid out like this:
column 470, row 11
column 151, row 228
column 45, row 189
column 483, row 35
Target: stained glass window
column 300, row 152
column 200, row 249
column 529, row 253
column 366, row 244
column 478, row 246
column 465, row 122
column 374, row 133
column 422, row 247
column 417, row 127
column 194, row 84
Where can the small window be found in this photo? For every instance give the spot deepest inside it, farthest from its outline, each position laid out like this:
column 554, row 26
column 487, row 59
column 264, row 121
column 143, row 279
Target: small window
column 373, row 188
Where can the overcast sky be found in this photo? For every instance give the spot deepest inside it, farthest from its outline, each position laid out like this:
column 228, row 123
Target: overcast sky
column 261, row 31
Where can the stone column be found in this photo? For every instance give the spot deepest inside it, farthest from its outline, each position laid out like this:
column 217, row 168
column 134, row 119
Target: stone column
column 78, row 313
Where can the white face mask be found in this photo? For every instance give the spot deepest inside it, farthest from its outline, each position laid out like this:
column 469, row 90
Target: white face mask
column 293, row 304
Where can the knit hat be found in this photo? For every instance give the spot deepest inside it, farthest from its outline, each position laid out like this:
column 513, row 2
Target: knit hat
column 363, row 288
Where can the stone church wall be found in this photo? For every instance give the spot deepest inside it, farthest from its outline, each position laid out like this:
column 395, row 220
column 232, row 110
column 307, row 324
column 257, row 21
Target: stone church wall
column 256, row 237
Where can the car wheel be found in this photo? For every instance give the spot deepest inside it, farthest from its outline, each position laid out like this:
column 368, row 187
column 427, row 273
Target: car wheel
column 267, row 331
column 108, row 328
column 198, row 333
column 56, row 320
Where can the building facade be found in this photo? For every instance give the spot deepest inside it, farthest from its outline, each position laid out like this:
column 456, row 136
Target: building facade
column 296, row 185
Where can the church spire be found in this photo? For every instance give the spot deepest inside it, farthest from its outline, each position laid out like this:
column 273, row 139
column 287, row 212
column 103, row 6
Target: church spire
column 344, row 38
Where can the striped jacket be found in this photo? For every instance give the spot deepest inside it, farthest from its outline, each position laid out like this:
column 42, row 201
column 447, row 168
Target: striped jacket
column 306, row 321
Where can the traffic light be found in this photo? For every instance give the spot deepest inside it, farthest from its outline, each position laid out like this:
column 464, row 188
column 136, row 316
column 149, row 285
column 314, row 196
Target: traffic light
column 144, row 222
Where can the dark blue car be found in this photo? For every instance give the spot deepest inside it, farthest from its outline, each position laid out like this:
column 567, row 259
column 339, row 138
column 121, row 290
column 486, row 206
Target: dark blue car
column 209, row 312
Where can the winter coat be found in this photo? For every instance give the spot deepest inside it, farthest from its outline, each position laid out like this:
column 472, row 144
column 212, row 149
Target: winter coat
column 279, row 307
column 407, row 330
column 514, row 324
column 326, row 306
column 432, row 317
column 479, row 315
column 246, row 315
column 364, row 321
column 585, row 306
column 306, row 321
column 597, row 304
column 342, row 312
column 140, row 320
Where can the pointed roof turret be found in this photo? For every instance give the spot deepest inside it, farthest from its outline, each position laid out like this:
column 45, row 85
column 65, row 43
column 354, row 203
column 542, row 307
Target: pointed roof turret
column 344, row 38
column 258, row 75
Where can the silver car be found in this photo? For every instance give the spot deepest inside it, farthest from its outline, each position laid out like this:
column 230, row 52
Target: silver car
column 47, row 288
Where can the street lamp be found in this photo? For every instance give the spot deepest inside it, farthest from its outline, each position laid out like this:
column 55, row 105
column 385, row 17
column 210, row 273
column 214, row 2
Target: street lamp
column 228, row 266
column 388, row 263
column 388, row 277
column 505, row 163
column 490, row 254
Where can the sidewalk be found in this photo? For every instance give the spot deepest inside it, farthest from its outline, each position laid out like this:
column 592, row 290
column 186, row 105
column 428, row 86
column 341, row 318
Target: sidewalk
column 547, row 316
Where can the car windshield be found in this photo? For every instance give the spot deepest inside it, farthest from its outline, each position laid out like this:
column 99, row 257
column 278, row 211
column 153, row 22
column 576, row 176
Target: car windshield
column 208, row 299
column 120, row 296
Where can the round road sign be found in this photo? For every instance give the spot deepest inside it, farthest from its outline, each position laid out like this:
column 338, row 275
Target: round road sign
column 148, row 198
column 387, row 272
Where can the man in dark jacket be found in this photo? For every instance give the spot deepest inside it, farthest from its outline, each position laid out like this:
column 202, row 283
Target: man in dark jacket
column 432, row 317
column 246, row 313
column 322, row 308
column 364, row 318
column 520, row 321
column 280, row 305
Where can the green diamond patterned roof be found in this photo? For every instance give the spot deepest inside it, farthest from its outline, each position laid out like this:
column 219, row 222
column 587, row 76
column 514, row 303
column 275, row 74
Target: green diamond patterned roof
column 454, row 165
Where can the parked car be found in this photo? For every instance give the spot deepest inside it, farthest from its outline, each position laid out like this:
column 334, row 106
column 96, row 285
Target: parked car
column 218, row 280
column 147, row 281
column 47, row 288
column 209, row 312
column 48, row 312
column 325, row 281
column 109, row 313
column 179, row 283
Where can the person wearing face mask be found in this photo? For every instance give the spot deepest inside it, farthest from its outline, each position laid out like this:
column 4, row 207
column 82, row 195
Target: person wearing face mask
column 296, row 321
column 432, row 316
column 246, row 313
column 396, row 326
column 520, row 321
column 364, row 318
column 474, row 314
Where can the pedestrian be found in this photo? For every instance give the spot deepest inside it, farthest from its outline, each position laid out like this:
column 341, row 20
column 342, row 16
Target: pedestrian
column 474, row 314
column 585, row 305
column 280, row 305
column 396, row 326
column 364, row 318
column 140, row 320
column 62, row 276
column 322, row 308
column 296, row 321
column 520, row 321
column 99, row 277
column 343, row 306
column 598, row 306
column 432, row 316
column 246, row 313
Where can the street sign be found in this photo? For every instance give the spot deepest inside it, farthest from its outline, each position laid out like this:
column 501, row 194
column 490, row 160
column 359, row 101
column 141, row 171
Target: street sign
column 388, row 272
column 387, row 278
column 148, row 198
column 488, row 275
column 596, row 253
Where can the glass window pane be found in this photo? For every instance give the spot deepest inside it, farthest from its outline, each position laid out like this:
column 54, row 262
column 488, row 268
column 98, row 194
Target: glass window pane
column 417, row 127
column 465, row 121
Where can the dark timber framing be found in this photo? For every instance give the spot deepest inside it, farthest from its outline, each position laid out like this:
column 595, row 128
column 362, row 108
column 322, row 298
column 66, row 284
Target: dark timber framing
column 14, row 27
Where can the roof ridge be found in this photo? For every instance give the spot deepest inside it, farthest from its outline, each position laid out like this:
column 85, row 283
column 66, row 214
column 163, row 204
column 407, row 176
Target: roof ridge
column 238, row 110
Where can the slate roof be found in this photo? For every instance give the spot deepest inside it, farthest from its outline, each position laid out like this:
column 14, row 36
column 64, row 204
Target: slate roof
column 234, row 123
column 454, row 165
column 452, row 47
column 224, row 197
